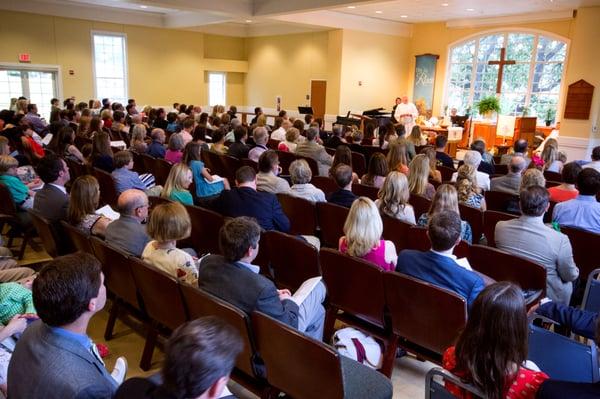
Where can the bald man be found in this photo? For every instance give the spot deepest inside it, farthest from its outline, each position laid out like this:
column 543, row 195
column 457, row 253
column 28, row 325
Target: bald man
column 128, row 233
column 511, row 182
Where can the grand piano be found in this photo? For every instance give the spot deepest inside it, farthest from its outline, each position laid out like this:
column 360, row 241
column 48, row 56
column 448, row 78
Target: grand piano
column 379, row 115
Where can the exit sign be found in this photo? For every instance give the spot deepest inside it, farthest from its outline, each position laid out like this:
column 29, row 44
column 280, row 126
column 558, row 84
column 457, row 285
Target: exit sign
column 24, row 57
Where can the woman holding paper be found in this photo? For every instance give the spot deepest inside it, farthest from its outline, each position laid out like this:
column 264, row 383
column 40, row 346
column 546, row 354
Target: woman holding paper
column 85, row 195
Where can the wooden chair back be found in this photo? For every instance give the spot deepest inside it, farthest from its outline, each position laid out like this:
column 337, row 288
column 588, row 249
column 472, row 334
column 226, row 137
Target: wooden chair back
column 446, row 172
column 138, row 163
column 76, row 169
column 249, row 162
column 206, row 225
column 273, row 144
column 554, row 176
column 425, row 315
column 362, row 190
column 500, row 169
column 501, row 202
column 359, row 163
column 154, row 201
column 8, row 208
column 108, row 191
column 161, row 171
column 584, row 244
column 490, row 219
column 302, row 214
column 231, row 164
column 148, row 163
column 285, row 160
column 316, row 373
column 325, row 184
column 48, row 233
column 312, row 164
column 474, row 217
column 396, row 231
column 331, row 221
column 420, row 204
column 80, row 241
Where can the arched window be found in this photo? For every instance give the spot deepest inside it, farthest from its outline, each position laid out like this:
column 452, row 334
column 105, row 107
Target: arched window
column 532, row 83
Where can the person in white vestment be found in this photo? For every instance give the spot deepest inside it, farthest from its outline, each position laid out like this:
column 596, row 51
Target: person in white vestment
column 406, row 113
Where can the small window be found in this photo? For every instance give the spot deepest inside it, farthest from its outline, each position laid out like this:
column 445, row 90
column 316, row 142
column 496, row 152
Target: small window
column 217, row 88
column 110, row 66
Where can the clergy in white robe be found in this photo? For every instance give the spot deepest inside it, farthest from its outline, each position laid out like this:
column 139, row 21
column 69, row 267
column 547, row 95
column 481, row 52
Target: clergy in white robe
column 406, row 113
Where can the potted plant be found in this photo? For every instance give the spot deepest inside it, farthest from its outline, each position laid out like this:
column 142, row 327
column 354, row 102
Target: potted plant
column 549, row 116
column 488, row 105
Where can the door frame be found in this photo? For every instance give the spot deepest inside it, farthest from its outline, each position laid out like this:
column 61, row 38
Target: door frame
column 38, row 67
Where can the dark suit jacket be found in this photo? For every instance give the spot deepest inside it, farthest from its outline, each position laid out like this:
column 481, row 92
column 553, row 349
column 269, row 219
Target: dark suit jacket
column 444, row 159
column 552, row 389
column 342, row 197
column 245, row 289
column 264, row 207
column 46, row 365
column 145, row 388
column 238, row 150
column 51, row 203
column 156, row 150
column 441, row 271
column 484, row 167
column 580, row 321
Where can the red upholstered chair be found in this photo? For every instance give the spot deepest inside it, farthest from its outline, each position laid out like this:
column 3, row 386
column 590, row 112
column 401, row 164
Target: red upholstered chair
column 331, row 221
column 302, row 214
column 420, row 204
column 474, row 217
column 285, row 160
column 396, row 231
column 325, row 184
column 585, row 245
column 205, row 229
column 231, row 166
column 425, row 318
column 501, row 202
column 446, row 172
column 359, row 163
column 490, row 219
column 362, row 190
column 108, row 191
column 272, row 144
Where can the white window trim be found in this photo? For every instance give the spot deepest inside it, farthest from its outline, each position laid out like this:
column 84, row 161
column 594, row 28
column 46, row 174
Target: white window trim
column 224, row 86
column 38, row 67
column 125, row 59
column 505, row 31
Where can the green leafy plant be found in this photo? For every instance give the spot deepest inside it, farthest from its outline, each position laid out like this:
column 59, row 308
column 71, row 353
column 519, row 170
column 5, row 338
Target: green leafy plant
column 550, row 112
column 488, row 104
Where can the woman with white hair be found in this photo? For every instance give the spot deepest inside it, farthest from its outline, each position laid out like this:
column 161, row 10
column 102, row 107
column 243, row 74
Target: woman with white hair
column 362, row 239
column 473, row 158
column 301, row 176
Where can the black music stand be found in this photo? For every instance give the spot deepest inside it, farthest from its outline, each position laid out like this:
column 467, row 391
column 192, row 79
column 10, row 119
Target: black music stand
column 305, row 110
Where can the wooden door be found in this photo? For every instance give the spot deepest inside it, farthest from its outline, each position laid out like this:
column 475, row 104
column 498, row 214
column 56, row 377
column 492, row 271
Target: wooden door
column 318, row 90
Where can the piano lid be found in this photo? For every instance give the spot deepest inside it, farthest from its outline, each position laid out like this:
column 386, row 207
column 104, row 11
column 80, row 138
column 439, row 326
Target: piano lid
column 376, row 112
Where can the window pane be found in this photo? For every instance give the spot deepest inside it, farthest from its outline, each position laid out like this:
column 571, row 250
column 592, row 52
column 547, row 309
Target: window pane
column 520, row 47
column 41, row 91
column 551, row 50
column 463, row 53
column 515, row 78
column 541, row 103
column 489, row 48
column 486, row 78
column 547, row 77
column 512, row 104
column 217, row 88
column 460, row 75
column 109, row 66
column 458, row 99
column 10, row 87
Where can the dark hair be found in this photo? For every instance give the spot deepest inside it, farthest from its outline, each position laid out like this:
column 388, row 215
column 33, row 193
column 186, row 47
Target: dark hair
column 191, row 152
column 342, row 174
column 479, row 146
column 118, row 116
column 239, row 133
column 377, row 167
column 122, row 158
column 570, row 172
column 64, row 287
column 266, row 161
column 129, row 107
column 199, row 133
column 245, row 174
column 596, row 154
column 441, row 141
column 49, row 167
column 494, row 340
column 188, row 123
column 298, row 124
column 343, row 154
column 444, row 230
column 130, row 101
column 400, row 130
column 31, row 107
column 182, row 108
column 588, row 181
column 55, row 100
column 308, row 119
column 236, row 236
column 282, row 113
column 217, row 135
column 534, row 201
column 520, row 146
column 257, row 110
column 198, row 353
column 203, row 118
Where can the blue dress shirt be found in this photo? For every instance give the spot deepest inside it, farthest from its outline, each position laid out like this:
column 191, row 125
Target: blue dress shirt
column 582, row 212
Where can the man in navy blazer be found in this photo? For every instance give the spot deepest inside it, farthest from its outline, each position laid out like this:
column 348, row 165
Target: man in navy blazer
column 438, row 266
column 244, row 200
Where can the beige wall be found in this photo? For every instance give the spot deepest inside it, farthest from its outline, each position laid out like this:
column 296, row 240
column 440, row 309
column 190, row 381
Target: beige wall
column 379, row 63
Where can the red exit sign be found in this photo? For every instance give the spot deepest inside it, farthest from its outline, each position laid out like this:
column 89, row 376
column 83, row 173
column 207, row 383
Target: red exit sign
column 24, row 57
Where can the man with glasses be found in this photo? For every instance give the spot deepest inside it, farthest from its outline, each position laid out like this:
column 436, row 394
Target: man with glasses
column 128, row 233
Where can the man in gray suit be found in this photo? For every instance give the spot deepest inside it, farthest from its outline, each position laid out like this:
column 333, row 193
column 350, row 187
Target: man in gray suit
column 52, row 200
column 128, row 233
column 311, row 149
column 519, row 150
column 55, row 358
column 530, row 238
column 511, row 182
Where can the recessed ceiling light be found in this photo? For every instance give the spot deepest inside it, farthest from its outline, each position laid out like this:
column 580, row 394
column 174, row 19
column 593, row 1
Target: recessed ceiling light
column 351, row 7
column 470, row 9
column 143, row 6
column 378, row 12
column 403, row 16
column 248, row 21
column 444, row 4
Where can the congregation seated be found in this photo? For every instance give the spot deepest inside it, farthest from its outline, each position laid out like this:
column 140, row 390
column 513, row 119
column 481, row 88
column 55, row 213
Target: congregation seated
column 207, row 186
column 595, row 164
column 343, row 196
column 177, row 184
column 418, row 177
column 56, row 351
column 126, row 178
column 261, row 137
column 487, row 160
column 532, row 177
column 311, row 149
column 343, row 155
column 579, row 321
column 157, row 149
column 138, row 142
column 336, row 137
column 33, row 118
column 21, row 193
column 393, row 198
column 511, row 182
column 438, row 266
column 127, row 232
column 238, row 148
column 301, row 176
column 280, row 127
column 473, row 158
column 187, row 130
column 468, row 191
column 174, row 152
column 102, row 154
column 362, row 236
column 85, row 196
column 52, row 201
column 199, row 357
column 519, row 150
column 530, row 238
column 218, row 142
column 397, row 157
column 440, row 154
column 566, row 190
column 200, row 137
column 245, row 200
column 386, row 135
column 551, row 158
column 268, row 179
column 290, row 142
column 169, row 223
column 63, row 144
column 434, row 174
column 446, row 199
column 497, row 367
column 233, row 278
column 376, row 172
column 582, row 212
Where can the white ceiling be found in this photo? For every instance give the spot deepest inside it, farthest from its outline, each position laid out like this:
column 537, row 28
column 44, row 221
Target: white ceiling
column 271, row 17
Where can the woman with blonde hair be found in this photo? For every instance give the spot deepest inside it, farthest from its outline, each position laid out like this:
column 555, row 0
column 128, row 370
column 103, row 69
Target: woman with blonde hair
column 169, row 223
column 532, row 177
column 446, row 199
column 83, row 202
column 433, row 172
column 393, row 198
column 466, row 185
column 416, row 137
column 362, row 236
column 177, row 184
column 397, row 157
column 291, row 140
column 551, row 158
column 418, row 177
column 106, row 116
column 137, row 143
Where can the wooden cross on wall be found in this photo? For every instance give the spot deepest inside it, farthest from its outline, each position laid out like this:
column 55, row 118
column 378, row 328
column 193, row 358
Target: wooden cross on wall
column 501, row 64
